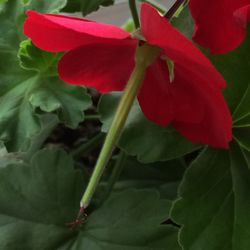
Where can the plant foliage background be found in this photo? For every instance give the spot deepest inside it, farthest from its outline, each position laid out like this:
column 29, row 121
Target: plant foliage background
column 171, row 194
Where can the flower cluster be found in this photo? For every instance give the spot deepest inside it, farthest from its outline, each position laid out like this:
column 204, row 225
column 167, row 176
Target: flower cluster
column 103, row 56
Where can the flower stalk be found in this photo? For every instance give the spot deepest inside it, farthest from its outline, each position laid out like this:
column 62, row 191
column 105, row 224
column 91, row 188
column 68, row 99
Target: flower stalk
column 134, row 13
column 85, row 148
column 171, row 12
column 145, row 55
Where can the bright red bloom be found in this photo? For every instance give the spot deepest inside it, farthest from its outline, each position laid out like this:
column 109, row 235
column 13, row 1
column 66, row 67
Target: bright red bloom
column 220, row 25
column 102, row 56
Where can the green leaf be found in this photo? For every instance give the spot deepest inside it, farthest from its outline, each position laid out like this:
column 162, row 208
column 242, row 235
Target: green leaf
column 52, row 95
column 11, row 35
column 8, row 158
column 234, row 67
column 11, row 19
column 12, row 15
column 28, row 94
column 32, row 58
column 19, row 109
column 45, row 6
column 214, row 205
column 72, row 6
column 148, row 141
column 25, row 1
column 86, row 6
column 241, row 114
column 184, row 22
column 161, row 176
column 242, row 136
column 48, row 123
column 132, row 224
column 33, row 216
column 1, row 3
column 94, row 5
column 214, row 202
column 164, row 176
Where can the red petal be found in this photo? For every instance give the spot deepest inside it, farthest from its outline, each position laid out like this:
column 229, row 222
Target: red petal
column 197, row 111
column 242, row 15
column 216, row 26
column 176, row 46
column 215, row 128
column 193, row 101
column 61, row 33
column 106, row 67
column 163, row 101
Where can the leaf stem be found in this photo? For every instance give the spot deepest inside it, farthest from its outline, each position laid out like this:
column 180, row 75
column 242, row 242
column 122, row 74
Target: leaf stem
column 92, row 117
column 87, row 147
column 145, row 55
column 134, row 13
column 117, row 169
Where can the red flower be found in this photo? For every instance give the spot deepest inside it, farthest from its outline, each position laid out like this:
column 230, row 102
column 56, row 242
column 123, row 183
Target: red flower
column 220, row 24
column 102, row 56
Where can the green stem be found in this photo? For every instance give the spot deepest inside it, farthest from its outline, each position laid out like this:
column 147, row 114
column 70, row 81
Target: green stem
column 92, row 117
column 134, row 13
column 89, row 146
column 145, row 55
column 171, row 12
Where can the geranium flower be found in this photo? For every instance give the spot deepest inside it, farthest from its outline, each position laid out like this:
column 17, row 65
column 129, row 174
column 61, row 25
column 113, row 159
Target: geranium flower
column 102, row 56
column 220, row 25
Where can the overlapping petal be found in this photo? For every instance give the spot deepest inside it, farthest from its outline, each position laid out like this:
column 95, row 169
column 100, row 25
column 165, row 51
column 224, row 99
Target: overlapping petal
column 57, row 33
column 215, row 127
column 200, row 114
column 193, row 100
column 163, row 101
column 103, row 66
column 177, row 47
column 219, row 25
